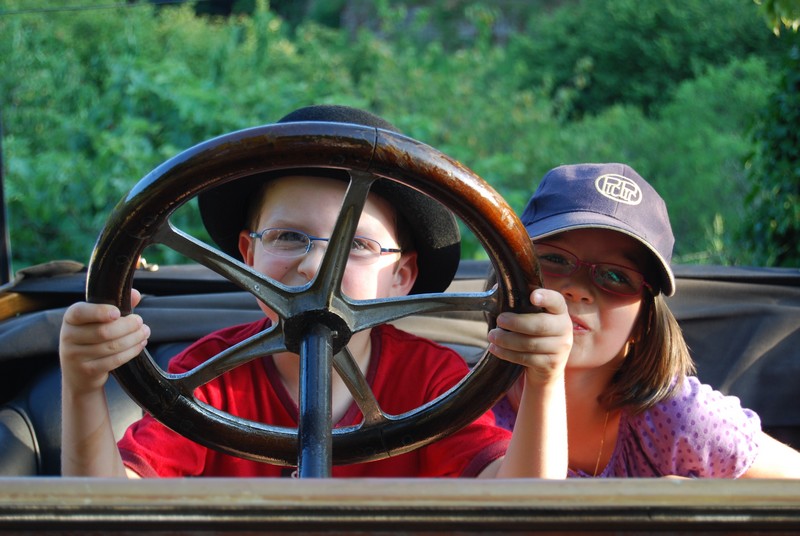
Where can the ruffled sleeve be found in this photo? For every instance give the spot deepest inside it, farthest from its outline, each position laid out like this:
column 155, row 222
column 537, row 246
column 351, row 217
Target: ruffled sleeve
column 698, row 433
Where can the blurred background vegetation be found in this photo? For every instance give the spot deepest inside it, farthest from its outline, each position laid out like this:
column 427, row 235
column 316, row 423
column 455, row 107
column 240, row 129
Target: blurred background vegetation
column 702, row 97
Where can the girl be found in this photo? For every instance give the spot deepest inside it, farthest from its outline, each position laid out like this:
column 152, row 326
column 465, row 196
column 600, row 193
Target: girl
column 619, row 399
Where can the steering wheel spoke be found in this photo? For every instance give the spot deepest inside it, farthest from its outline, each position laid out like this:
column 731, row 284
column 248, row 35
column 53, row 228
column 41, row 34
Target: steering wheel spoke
column 264, row 288
column 329, row 278
column 370, row 313
column 347, row 368
column 259, row 345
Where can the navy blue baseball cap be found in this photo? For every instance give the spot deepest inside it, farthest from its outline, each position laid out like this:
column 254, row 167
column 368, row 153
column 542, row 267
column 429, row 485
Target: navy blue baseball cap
column 604, row 196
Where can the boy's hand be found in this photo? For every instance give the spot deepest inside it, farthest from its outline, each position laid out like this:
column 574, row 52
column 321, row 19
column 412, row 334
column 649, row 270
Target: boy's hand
column 539, row 341
column 96, row 339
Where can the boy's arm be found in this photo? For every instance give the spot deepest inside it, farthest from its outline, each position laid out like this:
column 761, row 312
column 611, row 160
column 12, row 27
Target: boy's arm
column 541, row 342
column 94, row 340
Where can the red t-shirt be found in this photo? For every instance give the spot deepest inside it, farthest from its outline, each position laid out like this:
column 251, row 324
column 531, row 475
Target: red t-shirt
column 405, row 372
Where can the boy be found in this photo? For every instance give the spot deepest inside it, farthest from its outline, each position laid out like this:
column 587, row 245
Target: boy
column 412, row 246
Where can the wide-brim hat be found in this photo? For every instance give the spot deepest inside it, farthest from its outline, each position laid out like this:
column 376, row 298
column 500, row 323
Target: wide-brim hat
column 433, row 228
column 604, row 196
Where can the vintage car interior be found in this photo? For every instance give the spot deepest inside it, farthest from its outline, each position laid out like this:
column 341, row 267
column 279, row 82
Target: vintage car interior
column 741, row 325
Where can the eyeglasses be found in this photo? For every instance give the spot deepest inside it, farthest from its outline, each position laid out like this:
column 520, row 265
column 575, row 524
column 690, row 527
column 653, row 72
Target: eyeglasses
column 612, row 278
column 291, row 243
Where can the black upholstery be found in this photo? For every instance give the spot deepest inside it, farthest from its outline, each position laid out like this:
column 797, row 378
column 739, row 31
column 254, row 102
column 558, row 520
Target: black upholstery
column 20, row 451
column 30, row 425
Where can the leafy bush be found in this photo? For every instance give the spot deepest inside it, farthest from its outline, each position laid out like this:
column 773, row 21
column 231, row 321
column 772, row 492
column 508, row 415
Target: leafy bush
column 695, row 156
column 772, row 236
column 598, row 53
column 92, row 101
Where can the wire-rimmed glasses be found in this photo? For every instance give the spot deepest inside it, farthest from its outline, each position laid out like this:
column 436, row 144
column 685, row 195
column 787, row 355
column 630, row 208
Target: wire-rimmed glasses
column 291, row 243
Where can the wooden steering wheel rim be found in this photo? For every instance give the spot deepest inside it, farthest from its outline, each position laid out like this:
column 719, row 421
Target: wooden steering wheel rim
column 148, row 206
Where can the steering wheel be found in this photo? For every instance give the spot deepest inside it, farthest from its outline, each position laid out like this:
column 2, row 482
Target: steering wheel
column 315, row 320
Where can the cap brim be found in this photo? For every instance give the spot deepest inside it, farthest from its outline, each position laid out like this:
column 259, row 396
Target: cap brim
column 570, row 221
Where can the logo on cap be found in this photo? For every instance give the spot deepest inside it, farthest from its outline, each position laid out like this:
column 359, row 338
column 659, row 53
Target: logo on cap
column 618, row 188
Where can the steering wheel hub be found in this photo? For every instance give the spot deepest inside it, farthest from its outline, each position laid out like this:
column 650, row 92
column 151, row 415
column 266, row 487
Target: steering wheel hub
column 296, row 328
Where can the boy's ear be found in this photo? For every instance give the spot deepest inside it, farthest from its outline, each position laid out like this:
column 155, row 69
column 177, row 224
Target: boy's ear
column 245, row 247
column 405, row 274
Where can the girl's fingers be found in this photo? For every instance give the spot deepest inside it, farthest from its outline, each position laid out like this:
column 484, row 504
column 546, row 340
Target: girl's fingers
column 554, row 320
column 524, row 342
column 541, row 341
column 549, row 300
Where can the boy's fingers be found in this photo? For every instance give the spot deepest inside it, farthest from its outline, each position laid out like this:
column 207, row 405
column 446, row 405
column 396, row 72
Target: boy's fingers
column 106, row 354
column 136, row 297
column 100, row 333
column 88, row 313
column 124, row 348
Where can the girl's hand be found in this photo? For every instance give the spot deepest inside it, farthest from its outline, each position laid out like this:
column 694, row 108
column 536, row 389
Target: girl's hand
column 539, row 341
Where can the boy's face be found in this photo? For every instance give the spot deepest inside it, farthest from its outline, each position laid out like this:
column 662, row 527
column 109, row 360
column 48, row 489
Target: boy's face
column 311, row 205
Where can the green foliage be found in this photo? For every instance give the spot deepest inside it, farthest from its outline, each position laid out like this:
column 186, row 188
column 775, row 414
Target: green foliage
column 599, row 53
column 781, row 13
column 695, row 153
column 691, row 150
column 94, row 100
column 772, row 235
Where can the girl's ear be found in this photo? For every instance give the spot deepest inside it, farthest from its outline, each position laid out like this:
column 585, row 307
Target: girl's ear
column 405, row 274
column 246, row 247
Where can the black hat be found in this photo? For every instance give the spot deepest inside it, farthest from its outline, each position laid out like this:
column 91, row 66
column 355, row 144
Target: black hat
column 605, row 196
column 433, row 228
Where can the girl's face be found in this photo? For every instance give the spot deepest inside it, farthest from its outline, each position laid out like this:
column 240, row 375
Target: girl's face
column 602, row 321
column 311, row 205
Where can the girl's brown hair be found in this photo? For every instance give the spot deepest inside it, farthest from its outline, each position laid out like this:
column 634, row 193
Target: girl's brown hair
column 657, row 361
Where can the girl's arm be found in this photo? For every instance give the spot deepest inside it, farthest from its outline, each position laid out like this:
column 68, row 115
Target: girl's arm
column 774, row 460
column 541, row 342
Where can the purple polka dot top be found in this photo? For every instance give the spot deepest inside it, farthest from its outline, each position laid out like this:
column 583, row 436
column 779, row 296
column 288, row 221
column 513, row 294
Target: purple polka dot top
column 698, row 433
